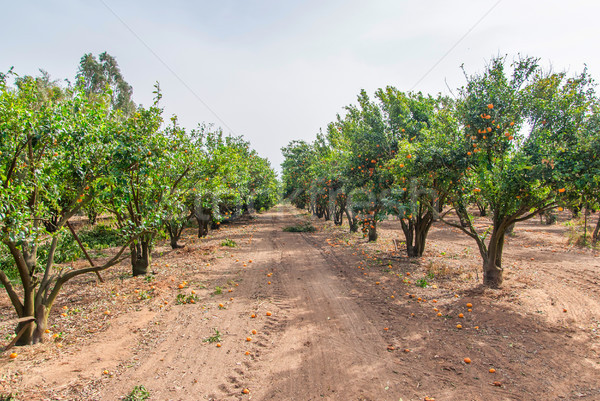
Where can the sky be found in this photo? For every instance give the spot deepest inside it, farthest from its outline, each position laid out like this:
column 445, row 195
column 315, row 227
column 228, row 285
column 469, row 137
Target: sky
column 277, row 70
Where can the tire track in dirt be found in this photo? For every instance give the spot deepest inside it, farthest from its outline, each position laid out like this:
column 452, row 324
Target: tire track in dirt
column 329, row 349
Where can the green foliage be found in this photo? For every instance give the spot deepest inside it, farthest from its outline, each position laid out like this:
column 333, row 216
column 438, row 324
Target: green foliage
column 517, row 141
column 229, row 242
column 218, row 290
column 214, row 338
column 186, row 299
column 96, row 75
column 100, row 237
column 87, row 148
column 139, row 393
column 422, row 283
column 67, row 250
column 300, row 228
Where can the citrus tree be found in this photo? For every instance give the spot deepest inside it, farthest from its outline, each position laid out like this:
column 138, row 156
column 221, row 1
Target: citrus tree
column 53, row 154
column 296, row 175
column 505, row 150
column 414, row 198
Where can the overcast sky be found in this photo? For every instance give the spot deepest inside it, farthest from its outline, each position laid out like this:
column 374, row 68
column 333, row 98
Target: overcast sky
column 279, row 70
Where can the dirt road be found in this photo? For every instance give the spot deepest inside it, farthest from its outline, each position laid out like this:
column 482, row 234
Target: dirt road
column 325, row 316
column 317, row 343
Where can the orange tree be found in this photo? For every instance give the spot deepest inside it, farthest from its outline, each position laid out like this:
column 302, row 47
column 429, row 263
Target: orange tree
column 183, row 168
column 414, row 198
column 53, row 154
column 296, row 174
column 566, row 112
column 139, row 185
column 505, row 151
column 236, row 181
column 369, row 144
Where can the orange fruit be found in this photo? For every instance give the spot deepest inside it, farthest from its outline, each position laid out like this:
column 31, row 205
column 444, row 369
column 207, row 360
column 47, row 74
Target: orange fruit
column 439, row 314
column 247, row 353
column 221, row 306
column 13, row 355
column 268, row 313
column 253, row 315
column 218, row 345
column 490, row 106
column 105, row 372
column 467, row 360
column 253, row 331
column 492, row 370
column 469, row 305
column 245, row 391
column 460, row 315
column 248, row 339
column 459, row 326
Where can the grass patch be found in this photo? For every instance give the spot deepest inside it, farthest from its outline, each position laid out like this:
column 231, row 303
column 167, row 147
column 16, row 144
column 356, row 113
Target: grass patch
column 139, row 393
column 101, row 237
column 229, row 242
column 213, row 339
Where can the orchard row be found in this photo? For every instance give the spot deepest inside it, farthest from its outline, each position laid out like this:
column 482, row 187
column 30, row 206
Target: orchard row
column 516, row 141
column 69, row 151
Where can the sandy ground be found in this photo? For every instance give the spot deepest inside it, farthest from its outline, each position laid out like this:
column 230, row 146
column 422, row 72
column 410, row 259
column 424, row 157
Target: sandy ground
column 347, row 321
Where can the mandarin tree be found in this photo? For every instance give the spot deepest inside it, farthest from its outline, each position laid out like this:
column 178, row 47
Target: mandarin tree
column 53, row 157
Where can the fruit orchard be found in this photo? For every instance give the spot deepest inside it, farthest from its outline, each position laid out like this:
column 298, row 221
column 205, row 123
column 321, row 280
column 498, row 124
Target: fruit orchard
column 85, row 149
column 517, row 141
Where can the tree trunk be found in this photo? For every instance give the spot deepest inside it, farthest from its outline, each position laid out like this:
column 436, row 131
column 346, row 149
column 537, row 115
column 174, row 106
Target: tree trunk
column 352, row 221
column 92, row 215
column 140, row 257
column 415, row 234
column 492, row 262
column 203, row 219
column 174, row 230
column 338, row 216
column 492, row 274
column 596, row 231
column 372, row 231
column 34, row 331
column 482, row 208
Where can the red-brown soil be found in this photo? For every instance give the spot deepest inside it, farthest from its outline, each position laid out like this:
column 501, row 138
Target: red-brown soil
column 344, row 324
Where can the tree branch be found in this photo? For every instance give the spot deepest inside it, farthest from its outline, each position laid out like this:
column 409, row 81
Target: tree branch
column 74, row 273
column 12, row 294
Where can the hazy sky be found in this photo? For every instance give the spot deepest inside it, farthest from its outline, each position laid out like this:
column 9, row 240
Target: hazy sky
column 279, row 70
